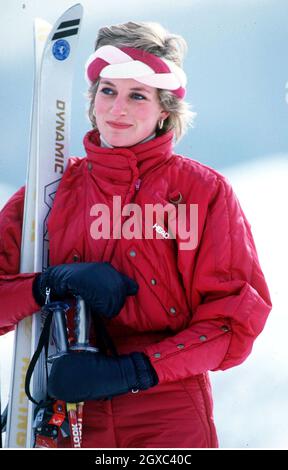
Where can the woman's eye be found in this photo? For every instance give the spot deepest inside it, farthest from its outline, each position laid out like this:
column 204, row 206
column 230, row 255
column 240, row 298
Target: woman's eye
column 107, row 91
column 137, row 96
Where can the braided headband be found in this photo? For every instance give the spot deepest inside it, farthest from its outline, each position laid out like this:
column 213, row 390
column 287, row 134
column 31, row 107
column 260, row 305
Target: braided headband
column 128, row 62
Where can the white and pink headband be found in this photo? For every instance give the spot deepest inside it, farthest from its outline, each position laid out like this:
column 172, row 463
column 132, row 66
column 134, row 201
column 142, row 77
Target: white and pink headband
column 129, row 62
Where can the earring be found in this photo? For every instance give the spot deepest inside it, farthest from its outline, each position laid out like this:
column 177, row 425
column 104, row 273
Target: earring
column 160, row 124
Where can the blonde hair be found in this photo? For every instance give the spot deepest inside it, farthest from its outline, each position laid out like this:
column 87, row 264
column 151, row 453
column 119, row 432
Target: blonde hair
column 153, row 38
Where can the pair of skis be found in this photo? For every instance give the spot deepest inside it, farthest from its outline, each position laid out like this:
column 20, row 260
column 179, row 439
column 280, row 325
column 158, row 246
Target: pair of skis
column 55, row 53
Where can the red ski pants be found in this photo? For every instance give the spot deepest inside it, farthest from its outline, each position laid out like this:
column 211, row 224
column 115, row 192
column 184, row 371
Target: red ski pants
column 172, row 415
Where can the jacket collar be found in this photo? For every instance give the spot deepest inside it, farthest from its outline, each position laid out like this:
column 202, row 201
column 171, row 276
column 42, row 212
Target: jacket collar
column 123, row 164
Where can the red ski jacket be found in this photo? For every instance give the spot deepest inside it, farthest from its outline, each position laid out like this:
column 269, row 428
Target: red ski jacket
column 196, row 310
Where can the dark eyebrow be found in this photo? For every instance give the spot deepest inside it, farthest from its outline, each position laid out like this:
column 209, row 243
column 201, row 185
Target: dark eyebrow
column 106, row 82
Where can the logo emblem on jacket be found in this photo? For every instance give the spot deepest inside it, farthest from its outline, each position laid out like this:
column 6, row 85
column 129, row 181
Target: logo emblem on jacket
column 161, row 231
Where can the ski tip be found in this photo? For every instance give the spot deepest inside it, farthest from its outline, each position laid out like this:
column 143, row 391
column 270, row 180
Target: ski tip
column 67, row 25
column 76, row 10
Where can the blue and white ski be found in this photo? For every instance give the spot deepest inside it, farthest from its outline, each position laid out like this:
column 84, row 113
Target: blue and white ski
column 49, row 151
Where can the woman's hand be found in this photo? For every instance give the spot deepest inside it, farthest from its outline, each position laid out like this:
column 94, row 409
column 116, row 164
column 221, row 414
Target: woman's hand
column 103, row 287
column 82, row 376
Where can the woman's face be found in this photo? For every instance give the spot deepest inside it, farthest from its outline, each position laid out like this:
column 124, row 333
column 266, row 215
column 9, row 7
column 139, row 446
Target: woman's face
column 126, row 111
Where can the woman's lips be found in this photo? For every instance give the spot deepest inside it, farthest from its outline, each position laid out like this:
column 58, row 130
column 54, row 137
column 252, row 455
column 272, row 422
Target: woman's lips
column 117, row 125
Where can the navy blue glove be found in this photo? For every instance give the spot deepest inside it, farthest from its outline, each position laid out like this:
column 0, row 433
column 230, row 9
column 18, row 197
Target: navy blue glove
column 82, row 376
column 103, row 287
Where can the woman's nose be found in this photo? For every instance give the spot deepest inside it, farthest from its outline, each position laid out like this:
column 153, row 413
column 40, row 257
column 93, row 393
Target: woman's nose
column 119, row 106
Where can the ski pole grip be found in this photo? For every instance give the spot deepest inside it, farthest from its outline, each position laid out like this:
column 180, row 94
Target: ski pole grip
column 60, row 332
column 61, row 329
column 82, row 321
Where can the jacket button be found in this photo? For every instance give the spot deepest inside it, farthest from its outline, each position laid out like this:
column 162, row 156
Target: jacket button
column 175, row 197
column 202, row 338
column 225, row 328
column 132, row 253
column 90, row 166
column 180, row 346
column 157, row 355
column 173, row 311
column 153, row 282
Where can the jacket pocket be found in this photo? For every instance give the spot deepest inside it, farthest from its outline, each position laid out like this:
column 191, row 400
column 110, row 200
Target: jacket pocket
column 163, row 284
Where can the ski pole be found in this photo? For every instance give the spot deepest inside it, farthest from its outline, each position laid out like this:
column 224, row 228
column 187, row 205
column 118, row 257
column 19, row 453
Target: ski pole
column 60, row 332
column 82, row 321
column 75, row 431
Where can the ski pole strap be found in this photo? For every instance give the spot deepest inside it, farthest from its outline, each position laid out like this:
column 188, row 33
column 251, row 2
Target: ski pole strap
column 43, row 342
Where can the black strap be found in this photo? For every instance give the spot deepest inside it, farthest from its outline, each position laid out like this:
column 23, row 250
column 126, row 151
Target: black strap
column 43, row 343
column 4, row 419
column 102, row 333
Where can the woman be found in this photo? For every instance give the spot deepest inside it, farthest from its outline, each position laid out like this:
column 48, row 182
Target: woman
column 176, row 303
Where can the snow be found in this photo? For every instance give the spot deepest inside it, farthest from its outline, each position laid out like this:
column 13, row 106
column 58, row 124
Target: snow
column 251, row 399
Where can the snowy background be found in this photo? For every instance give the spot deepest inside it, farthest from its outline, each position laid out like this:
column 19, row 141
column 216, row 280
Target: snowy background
column 238, row 84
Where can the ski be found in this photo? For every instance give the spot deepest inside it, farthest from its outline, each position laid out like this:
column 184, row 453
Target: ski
column 16, row 428
column 49, row 151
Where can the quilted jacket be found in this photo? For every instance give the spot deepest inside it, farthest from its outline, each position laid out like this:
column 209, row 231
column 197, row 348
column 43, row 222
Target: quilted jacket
column 197, row 309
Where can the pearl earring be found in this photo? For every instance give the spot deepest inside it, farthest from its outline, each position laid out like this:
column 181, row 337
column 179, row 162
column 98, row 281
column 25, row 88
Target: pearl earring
column 160, row 123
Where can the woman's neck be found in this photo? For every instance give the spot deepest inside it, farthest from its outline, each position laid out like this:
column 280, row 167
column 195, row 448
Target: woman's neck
column 105, row 144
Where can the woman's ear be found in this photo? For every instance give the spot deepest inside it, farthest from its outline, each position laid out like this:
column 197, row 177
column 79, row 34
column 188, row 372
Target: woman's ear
column 164, row 115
